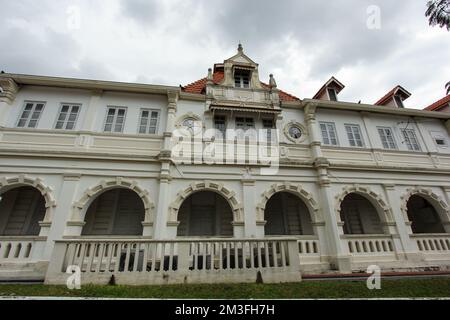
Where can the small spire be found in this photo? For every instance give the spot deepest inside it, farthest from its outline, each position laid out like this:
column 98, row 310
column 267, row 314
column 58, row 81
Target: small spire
column 210, row 74
column 240, row 48
column 209, row 79
column 272, row 81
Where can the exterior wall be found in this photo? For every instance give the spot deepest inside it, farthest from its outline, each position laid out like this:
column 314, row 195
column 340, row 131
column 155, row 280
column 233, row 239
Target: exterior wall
column 76, row 166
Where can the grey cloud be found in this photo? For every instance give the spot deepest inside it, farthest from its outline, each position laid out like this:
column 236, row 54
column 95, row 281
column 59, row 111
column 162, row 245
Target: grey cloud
column 31, row 53
column 143, row 11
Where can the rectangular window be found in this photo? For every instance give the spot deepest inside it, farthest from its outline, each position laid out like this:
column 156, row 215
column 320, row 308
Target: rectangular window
column 30, row 114
column 269, row 125
column 148, row 123
column 354, row 135
column 332, row 94
column 329, row 135
column 387, row 138
column 67, row 118
column 244, row 123
column 411, row 140
column 115, row 119
column 439, row 139
column 220, row 124
column 241, row 78
column 398, row 101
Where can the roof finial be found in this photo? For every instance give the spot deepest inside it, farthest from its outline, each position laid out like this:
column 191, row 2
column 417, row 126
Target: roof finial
column 210, row 74
column 209, row 79
column 240, row 48
column 272, row 82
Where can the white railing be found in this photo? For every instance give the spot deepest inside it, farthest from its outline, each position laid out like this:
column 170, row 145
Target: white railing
column 308, row 246
column 369, row 244
column 432, row 243
column 175, row 261
column 18, row 249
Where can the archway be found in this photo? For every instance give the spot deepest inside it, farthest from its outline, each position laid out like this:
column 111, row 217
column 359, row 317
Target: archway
column 423, row 215
column 205, row 213
column 21, row 210
column 359, row 215
column 118, row 211
column 287, row 214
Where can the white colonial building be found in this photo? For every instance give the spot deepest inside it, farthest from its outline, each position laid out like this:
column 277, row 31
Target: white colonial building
column 130, row 180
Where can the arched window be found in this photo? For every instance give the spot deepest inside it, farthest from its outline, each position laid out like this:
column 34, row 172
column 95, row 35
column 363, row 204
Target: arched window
column 359, row 216
column 287, row 214
column 21, row 209
column 423, row 216
column 205, row 213
column 115, row 212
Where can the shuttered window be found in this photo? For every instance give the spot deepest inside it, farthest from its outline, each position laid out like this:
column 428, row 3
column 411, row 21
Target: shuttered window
column 115, row 212
column 21, row 209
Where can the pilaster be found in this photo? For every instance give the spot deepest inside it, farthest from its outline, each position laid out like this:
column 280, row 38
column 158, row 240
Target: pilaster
column 93, row 109
column 403, row 244
column 7, row 98
column 249, row 208
column 62, row 212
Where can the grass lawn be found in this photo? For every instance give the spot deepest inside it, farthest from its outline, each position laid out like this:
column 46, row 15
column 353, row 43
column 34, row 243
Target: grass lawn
column 435, row 287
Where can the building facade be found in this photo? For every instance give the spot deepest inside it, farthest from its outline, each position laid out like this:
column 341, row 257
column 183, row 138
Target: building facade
column 226, row 179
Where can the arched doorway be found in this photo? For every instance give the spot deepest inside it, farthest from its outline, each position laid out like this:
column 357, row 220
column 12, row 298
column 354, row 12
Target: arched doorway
column 287, row 214
column 115, row 212
column 423, row 216
column 205, row 213
column 21, row 210
column 359, row 215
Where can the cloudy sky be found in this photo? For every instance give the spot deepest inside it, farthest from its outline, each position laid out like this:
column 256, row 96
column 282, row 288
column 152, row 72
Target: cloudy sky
column 302, row 42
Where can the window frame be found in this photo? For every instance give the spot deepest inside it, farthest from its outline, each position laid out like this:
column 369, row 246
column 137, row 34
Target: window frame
column 241, row 78
column 71, row 105
column 147, row 127
column 333, row 125
column 398, row 101
column 334, row 93
column 27, row 122
column 352, row 126
column 245, row 122
column 225, row 120
column 436, row 135
column 393, row 138
column 407, row 139
column 115, row 119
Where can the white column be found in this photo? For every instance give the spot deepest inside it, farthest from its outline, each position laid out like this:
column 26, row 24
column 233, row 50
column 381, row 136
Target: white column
column 62, row 211
column 410, row 250
column 249, row 208
column 162, row 228
column 337, row 253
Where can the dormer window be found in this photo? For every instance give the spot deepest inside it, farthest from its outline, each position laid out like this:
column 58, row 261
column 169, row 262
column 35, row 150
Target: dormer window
column 332, row 94
column 242, row 78
column 398, row 101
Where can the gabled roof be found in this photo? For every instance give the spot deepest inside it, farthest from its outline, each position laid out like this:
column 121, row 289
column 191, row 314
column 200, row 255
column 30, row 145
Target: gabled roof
column 396, row 90
column 332, row 80
column 439, row 104
column 199, row 86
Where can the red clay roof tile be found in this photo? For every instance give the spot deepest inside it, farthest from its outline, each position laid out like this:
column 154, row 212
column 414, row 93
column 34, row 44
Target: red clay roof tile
column 438, row 104
column 200, row 85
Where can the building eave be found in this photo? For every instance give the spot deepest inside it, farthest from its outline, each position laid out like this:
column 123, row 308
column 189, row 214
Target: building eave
column 350, row 106
column 73, row 83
